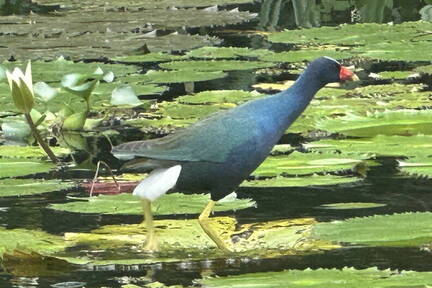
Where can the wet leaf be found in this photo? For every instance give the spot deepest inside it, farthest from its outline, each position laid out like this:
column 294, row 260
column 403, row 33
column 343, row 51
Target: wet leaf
column 220, row 65
column 352, row 205
column 407, row 229
column 20, row 167
column 304, row 55
column 420, row 165
column 75, row 121
column 402, row 122
column 314, row 180
column 306, row 163
column 218, row 96
column 347, row 277
column 181, row 76
column 23, row 187
column 175, row 203
column 227, row 52
column 124, row 95
column 7, row 151
column 150, row 57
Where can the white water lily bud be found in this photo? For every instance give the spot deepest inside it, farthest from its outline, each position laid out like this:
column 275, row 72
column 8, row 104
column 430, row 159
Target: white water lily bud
column 21, row 86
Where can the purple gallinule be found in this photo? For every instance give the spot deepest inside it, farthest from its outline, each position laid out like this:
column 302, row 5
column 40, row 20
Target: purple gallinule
column 217, row 153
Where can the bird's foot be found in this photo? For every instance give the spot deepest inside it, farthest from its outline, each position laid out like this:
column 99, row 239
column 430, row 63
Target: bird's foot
column 151, row 244
column 214, row 236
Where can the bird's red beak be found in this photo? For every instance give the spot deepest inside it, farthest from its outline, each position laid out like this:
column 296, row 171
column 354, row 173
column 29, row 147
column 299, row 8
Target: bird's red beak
column 347, row 75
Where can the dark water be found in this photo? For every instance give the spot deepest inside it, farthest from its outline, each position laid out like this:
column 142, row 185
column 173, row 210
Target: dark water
column 383, row 185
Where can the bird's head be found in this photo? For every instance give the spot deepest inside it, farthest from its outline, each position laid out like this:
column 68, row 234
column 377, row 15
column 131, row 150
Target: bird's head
column 329, row 70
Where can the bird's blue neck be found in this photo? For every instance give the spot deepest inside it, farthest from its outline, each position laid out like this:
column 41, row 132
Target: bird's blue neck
column 294, row 100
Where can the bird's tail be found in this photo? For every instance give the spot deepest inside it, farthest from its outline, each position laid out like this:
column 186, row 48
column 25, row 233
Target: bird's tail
column 158, row 182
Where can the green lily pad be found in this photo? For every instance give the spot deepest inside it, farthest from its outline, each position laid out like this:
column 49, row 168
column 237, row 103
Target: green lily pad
column 54, row 71
column 402, row 122
column 175, row 203
column 347, row 277
column 29, row 151
column 404, row 50
column 20, row 167
column 354, row 34
column 304, row 55
column 306, row 163
column 407, row 229
column 147, row 4
column 419, row 165
column 424, row 69
column 150, row 57
column 352, row 205
column 181, row 76
column 380, row 145
column 314, row 180
column 227, row 52
column 183, row 111
column 23, row 187
column 213, row 65
column 395, row 74
column 219, row 96
column 157, row 124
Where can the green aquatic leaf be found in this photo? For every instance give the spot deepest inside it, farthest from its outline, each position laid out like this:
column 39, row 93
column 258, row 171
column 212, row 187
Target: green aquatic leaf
column 181, row 76
column 306, row 163
column 20, row 167
column 424, row 69
column 7, row 151
column 305, row 55
column 420, row 165
column 351, row 205
column 402, row 122
column 175, row 203
column 353, row 34
column 30, row 240
column 213, row 65
column 75, row 121
column 54, row 71
column 149, row 57
column 219, row 96
column 124, row 95
column 184, row 111
column 148, row 125
column 305, row 181
column 334, row 278
column 395, row 74
column 380, row 145
column 228, row 52
column 23, row 187
column 407, row 229
column 404, row 50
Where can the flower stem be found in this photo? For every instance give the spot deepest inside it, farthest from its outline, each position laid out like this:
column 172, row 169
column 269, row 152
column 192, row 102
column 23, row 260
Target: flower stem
column 39, row 139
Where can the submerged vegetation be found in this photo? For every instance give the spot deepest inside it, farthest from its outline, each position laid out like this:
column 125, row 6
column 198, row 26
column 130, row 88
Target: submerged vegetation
column 344, row 177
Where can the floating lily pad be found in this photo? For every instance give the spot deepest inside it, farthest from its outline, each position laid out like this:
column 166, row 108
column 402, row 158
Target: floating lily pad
column 54, row 71
column 183, row 111
column 20, row 167
column 354, row 34
column 395, row 74
column 219, row 65
column 305, row 163
column 29, row 151
column 349, row 206
column 407, row 229
column 314, row 180
column 150, row 57
column 304, row 55
column 347, row 277
column 219, row 96
column 419, row 165
column 424, row 69
column 148, row 4
column 380, row 145
column 175, row 203
column 164, row 123
column 396, row 51
column 181, row 76
column 23, row 187
column 402, row 122
column 227, row 52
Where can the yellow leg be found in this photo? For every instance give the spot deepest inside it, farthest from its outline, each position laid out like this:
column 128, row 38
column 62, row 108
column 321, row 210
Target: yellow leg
column 204, row 221
column 151, row 241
